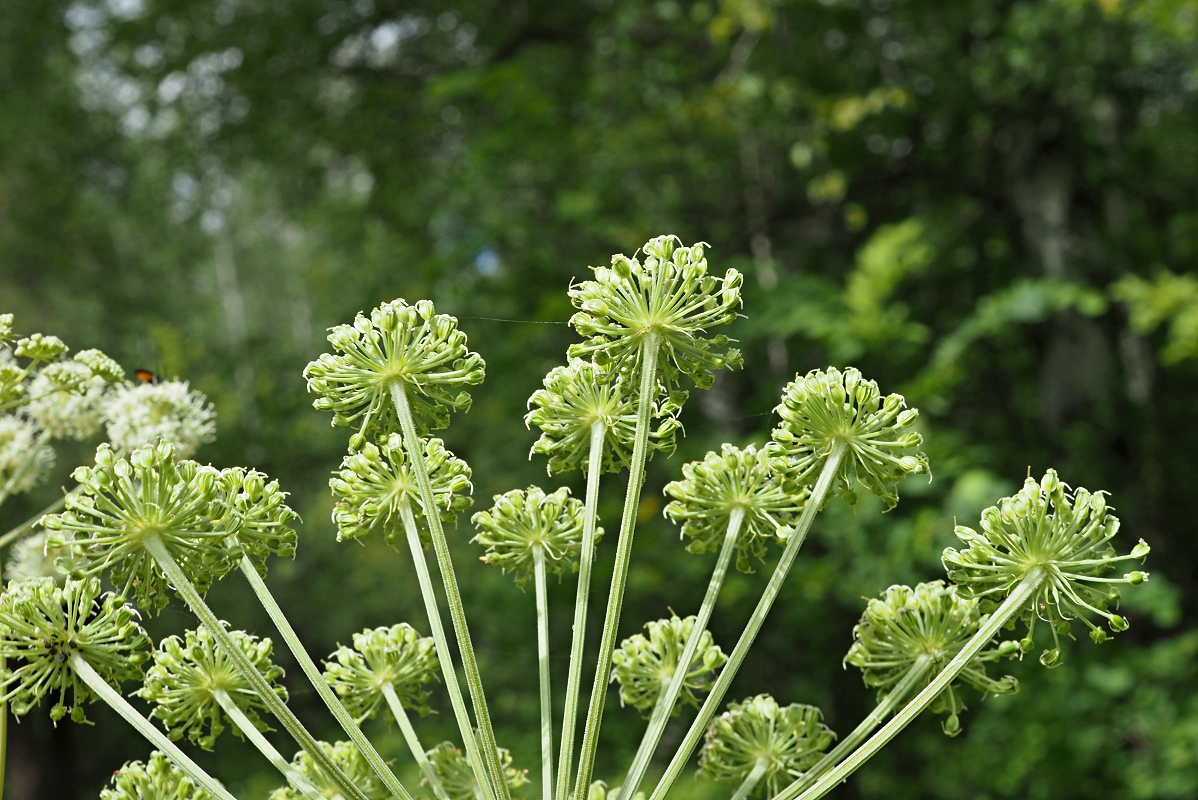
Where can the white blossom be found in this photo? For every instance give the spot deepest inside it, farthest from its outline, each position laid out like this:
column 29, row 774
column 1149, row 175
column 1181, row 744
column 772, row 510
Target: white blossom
column 30, row 558
column 138, row 415
column 21, row 454
column 67, row 413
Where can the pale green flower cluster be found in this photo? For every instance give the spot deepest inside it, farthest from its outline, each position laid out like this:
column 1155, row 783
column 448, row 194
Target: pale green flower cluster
column 455, row 774
column 397, row 656
column 523, row 520
column 349, row 759
column 67, row 399
column 644, row 664
column 156, row 779
column 25, row 460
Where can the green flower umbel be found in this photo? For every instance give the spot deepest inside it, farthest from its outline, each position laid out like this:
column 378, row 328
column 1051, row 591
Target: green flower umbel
column 713, row 488
column 412, row 346
column 577, row 396
column 825, row 407
column 42, row 625
column 457, row 777
column 1067, row 534
column 668, row 296
column 524, row 519
column 346, row 756
column 157, row 779
column 644, row 665
column 189, row 673
column 932, row 622
column 398, row 656
column 784, row 740
column 373, row 485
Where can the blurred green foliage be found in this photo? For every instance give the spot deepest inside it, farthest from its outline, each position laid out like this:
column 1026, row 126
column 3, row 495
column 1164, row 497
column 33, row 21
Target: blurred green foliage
column 986, row 205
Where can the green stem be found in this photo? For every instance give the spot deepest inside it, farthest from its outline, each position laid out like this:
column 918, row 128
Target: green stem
column 28, row 525
column 661, row 712
column 453, row 597
column 265, row 691
column 590, row 521
column 1014, row 604
column 812, row 507
column 538, row 557
column 251, row 732
column 619, row 578
column 20, row 471
column 456, row 700
column 409, row 735
column 146, row 728
column 897, row 695
column 342, row 715
column 751, row 780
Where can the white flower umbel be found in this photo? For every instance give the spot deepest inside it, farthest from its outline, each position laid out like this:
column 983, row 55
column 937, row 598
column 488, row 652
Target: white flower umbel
column 139, row 415
column 25, row 458
column 31, row 558
column 66, row 399
column 156, row 779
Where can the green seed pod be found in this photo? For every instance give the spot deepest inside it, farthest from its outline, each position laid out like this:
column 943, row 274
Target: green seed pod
column 645, row 665
column 346, row 756
column 524, row 519
column 790, row 739
column 397, row 655
column 157, row 779
column 455, row 774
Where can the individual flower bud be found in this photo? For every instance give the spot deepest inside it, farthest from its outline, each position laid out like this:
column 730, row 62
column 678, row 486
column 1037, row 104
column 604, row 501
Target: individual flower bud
column 398, row 656
column 403, row 347
column 65, row 399
column 24, row 459
column 526, row 519
column 1066, row 535
column 142, row 414
column 44, row 625
column 931, row 622
column 664, row 297
column 791, row 739
column 189, row 672
column 818, row 413
column 347, row 757
column 734, row 479
column 156, row 779
column 40, row 348
column 645, row 665
column 457, row 777
column 372, row 488
column 33, row 557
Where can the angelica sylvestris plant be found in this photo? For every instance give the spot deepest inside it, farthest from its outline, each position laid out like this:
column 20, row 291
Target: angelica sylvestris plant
column 155, row 526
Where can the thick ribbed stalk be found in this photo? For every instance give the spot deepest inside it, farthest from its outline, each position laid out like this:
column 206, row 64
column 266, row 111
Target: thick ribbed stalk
column 661, row 712
column 751, row 780
column 590, row 519
column 27, row 525
column 619, row 578
column 216, row 627
column 897, row 695
column 1014, row 604
column 256, row 738
column 538, row 557
column 146, row 728
column 718, row 689
column 312, row 672
column 24, row 466
column 409, row 735
column 456, row 700
column 453, row 597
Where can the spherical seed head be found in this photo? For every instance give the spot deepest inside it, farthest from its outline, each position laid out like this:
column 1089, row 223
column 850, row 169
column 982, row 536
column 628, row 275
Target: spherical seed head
column 455, row 774
column 525, row 519
column 252, row 510
column 43, row 625
column 398, row 344
column 137, row 415
column 668, row 295
column 346, row 756
column 790, row 738
column 157, row 779
column 933, row 621
column 186, row 674
column 1067, row 534
column 712, row 489
column 577, row 396
column 644, row 665
column 397, row 655
column 373, row 485
column 31, row 558
column 18, row 440
column 826, row 407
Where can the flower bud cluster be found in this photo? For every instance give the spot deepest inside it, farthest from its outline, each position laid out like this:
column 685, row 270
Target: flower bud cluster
column 523, row 520
column 374, row 484
column 42, row 625
column 137, row 415
column 599, row 791
column 39, row 347
column 398, row 656
column 157, row 779
column 645, row 665
column 23, row 458
column 668, row 296
column 933, row 622
column 398, row 344
column 347, row 757
column 188, row 672
column 789, row 738
column 1067, row 534
column 457, row 777
column 827, row 407
column 712, row 489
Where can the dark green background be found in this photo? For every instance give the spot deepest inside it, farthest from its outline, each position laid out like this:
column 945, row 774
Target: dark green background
column 942, row 194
